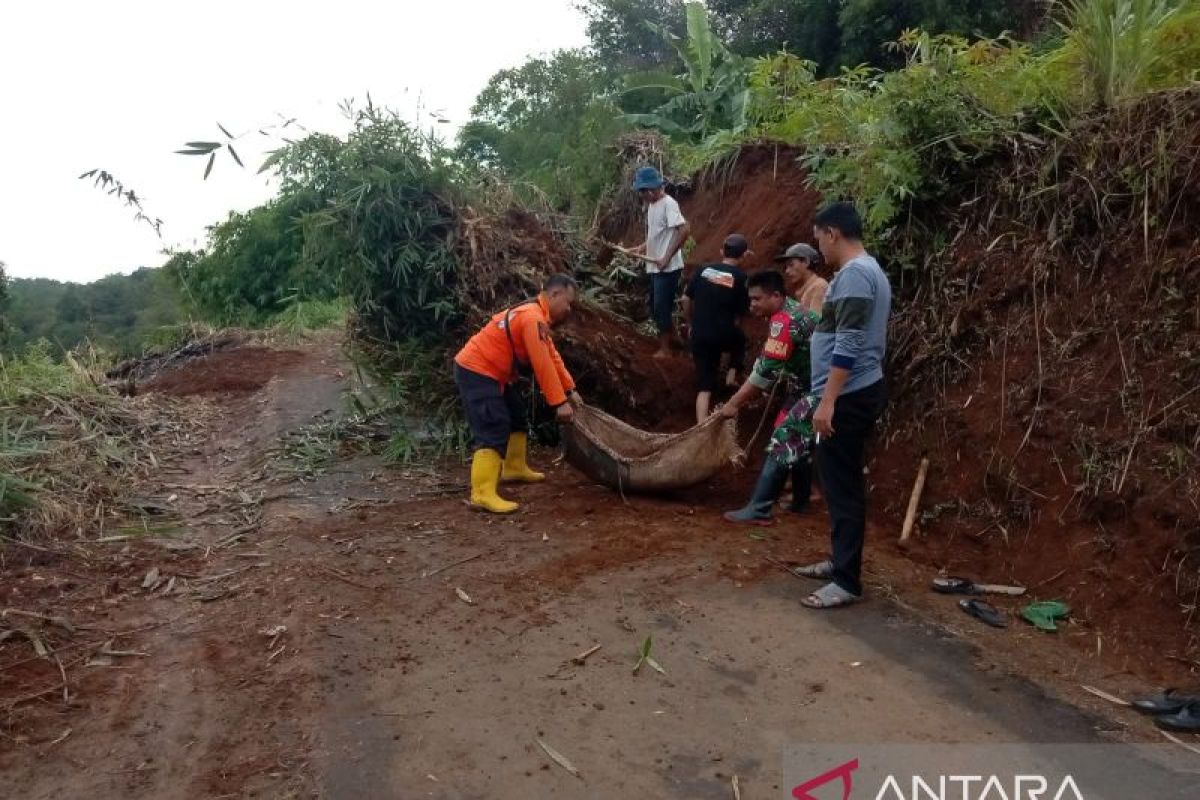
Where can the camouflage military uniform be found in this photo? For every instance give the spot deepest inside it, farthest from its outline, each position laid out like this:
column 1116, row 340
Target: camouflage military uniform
column 786, row 357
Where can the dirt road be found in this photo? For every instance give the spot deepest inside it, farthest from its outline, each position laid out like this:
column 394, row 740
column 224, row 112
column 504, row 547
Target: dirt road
column 361, row 633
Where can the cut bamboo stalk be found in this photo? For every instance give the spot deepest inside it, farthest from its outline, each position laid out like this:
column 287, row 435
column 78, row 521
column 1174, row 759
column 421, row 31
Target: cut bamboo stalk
column 914, row 501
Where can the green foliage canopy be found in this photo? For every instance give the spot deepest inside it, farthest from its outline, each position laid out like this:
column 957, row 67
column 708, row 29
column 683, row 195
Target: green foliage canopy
column 548, row 122
column 831, row 33
column 386, row 225
column 625, row 34
column 366, row 217
column 708, row 96
column 118, row 313
column 253, row 265
column 4, row 331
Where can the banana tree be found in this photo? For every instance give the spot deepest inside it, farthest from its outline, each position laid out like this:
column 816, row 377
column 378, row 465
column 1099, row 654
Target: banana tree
column 711, row 94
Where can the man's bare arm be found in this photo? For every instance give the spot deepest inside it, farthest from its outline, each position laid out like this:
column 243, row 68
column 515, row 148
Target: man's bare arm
column 681, row 234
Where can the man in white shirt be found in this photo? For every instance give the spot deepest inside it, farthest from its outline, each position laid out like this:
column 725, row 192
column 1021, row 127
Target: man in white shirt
column 666, row 231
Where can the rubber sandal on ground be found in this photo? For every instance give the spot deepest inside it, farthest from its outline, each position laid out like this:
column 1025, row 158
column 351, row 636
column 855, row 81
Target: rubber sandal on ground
column 830, row 596
column 1043, row 615
column 1165, row 702
column 984, row 612
column 953, row 585
column 1187, row 720
column 822, row 570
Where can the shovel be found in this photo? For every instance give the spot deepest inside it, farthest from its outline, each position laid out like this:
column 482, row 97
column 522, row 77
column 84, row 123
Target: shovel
column 965, row 586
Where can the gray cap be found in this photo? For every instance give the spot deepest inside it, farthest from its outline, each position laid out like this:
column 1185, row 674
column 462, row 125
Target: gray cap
column 800, row 251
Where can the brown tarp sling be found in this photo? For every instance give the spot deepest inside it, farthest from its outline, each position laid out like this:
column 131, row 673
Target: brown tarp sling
column 627, row 459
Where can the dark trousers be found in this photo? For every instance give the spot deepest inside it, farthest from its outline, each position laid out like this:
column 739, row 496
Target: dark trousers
column 706, row 355
column 493, row 411
column 663, row 287
column 840, row 462
column 802, row 480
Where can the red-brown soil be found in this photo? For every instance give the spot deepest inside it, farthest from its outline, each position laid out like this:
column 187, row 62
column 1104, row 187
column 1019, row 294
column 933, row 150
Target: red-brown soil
column 763, row 197
column 239, row 371
column 384, row 682
column 614, row 367
column 387, row 683
column 1069, row 468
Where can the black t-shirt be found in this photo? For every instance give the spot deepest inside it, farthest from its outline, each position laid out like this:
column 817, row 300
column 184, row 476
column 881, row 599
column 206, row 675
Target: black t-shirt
column 718, row 294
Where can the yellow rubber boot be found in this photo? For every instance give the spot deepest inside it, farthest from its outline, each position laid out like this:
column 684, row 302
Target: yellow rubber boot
column 516, row 468
column 485, row 474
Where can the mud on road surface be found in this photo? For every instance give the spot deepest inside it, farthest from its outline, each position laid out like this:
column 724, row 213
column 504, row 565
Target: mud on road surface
column 361, row 633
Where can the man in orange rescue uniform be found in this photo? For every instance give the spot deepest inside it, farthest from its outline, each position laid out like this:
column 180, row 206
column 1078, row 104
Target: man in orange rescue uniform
column 515, row 340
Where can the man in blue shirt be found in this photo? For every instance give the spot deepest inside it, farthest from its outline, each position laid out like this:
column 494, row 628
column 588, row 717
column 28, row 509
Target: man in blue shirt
column 848, row 348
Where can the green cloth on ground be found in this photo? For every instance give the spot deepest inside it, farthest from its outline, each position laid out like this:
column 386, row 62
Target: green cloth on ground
column 1043, row 614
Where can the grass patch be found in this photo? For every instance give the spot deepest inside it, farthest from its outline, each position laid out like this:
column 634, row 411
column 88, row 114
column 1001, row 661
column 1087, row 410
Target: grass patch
column 70, row 447
column 305, row 317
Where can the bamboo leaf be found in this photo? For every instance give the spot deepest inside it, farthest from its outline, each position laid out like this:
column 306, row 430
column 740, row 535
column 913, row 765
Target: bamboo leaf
column 559, row 758
column 233, row 153
column 208, row 169
column 271, row 161
column 228, row 135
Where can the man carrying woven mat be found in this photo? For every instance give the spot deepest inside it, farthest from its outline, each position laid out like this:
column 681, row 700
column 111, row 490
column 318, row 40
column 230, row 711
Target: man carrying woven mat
column 784, row 361
column 515, row 340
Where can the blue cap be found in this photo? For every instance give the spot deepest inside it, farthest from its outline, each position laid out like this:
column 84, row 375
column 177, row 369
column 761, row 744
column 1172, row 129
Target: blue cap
column 647, row 178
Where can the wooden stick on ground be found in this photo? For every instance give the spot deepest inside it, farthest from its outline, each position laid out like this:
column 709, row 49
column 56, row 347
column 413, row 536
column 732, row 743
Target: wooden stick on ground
column 914, row 501
column 461, row 561
column 1103, row 695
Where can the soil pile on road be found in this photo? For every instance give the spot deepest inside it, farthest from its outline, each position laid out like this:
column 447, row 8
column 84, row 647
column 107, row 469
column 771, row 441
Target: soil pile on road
column 227, row 371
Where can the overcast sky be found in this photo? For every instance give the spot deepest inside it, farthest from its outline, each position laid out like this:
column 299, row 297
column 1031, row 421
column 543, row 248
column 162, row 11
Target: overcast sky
column 120, row 84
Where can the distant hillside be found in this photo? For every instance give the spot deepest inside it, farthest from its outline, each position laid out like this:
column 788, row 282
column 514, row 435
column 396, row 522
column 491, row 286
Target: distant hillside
column 117, row 312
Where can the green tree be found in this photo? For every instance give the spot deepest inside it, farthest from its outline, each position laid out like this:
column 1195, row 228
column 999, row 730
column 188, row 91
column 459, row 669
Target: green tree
column 4, row 299
column 253, row 265
column 119, row 313
column 383, row 225
column 710, row 95
column 549, row 122
column 623, row 36
column 867, row 26
column 845, row 33
column 809, row 28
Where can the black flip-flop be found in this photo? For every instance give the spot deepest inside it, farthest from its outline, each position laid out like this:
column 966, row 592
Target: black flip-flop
column 954, row 586
column 1186, row 720
column 984, row 612
column 1165, row 702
